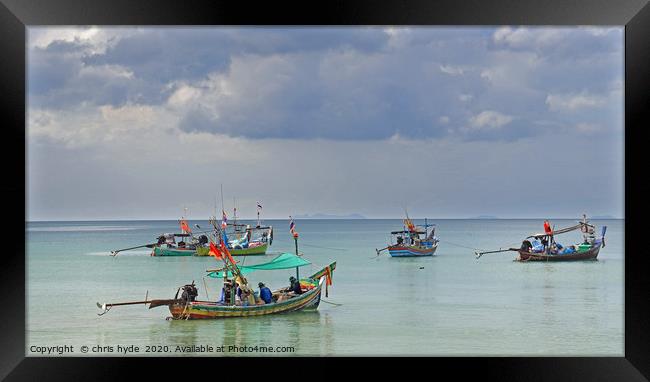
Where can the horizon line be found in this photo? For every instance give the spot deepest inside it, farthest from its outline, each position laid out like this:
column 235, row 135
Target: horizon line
column 335, row 218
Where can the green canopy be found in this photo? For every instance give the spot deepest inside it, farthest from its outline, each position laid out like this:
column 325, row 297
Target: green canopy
column 284, row 261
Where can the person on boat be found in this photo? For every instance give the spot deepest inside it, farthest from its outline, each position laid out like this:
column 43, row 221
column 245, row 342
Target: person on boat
column 544, row 242
column 225, row 292
column 169, row 239
column 265, row 293
column 295, row 286
column 238, row 292
column 244, row 295
column 400, row 240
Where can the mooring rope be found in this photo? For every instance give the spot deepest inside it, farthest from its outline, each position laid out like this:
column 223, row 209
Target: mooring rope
column 333, row 303
column 461, row 246
column 473, row 249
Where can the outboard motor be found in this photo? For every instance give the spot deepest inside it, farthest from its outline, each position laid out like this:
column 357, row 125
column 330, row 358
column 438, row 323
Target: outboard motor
column 203, row 239
column 189, row 293
column 526, row 246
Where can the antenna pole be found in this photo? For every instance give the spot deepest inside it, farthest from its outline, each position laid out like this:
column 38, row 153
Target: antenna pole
column 295, row 239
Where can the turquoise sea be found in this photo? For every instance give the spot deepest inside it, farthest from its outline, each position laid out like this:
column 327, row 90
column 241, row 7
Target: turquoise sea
column 449, row 304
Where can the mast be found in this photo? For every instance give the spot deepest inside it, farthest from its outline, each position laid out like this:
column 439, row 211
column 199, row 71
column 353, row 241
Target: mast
column 295, row 239
column 234, row 217
column 222, row 212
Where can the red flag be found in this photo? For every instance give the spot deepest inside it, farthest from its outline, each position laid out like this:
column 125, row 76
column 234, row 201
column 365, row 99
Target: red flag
column 185, row 227
column 214, row 251
column 328, row 273
column 224, row 249
column 547, row 228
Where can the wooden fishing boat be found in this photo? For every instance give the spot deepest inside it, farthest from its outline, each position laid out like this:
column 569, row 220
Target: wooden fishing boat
column 413, row 241
column 425, row 249
column 185, row 243
column 173, row 251
column 247, row 240
column 544, row 247
column 187, row 307
column 590, row 254
column 248, row 251
column 307, row 301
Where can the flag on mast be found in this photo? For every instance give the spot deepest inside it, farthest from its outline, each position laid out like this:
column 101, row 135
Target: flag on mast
column 224, row 249
column 185, row 227
column 292, row 227
column 224, row 219
column 214, row 251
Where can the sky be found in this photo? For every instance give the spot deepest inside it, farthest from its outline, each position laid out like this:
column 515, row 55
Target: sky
column 141, row 123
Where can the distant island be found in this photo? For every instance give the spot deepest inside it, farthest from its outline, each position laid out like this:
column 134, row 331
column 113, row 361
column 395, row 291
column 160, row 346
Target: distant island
column 327, row 216
column 603, row 217
column 485, row 217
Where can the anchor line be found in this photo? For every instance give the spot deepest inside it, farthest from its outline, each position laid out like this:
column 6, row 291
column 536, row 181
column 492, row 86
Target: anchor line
column 464, row 246
column 333, row 303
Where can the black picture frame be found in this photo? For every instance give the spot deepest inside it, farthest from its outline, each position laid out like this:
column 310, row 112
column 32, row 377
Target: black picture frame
column 16, row 15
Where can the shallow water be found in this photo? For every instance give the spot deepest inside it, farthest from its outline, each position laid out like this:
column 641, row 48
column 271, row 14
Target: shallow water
column 449, row 304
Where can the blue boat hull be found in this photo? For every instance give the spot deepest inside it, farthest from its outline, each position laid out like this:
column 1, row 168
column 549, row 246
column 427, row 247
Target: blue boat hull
column 407, row 251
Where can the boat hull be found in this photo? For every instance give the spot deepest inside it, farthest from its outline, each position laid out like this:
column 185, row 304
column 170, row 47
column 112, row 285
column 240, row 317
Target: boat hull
column 197, row 310
column 162, row 251
column 259, row 250
column 410, row 251
column 591, row 254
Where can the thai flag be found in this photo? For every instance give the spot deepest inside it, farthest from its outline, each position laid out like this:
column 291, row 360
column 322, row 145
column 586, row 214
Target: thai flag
column 291, row 225
column 259, row 206
column 224, row 219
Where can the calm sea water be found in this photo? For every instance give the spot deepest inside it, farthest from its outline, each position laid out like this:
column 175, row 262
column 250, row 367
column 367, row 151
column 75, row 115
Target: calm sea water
column 449, row 304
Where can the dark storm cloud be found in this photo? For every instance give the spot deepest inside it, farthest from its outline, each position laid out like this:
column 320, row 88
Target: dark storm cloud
column 343, row 83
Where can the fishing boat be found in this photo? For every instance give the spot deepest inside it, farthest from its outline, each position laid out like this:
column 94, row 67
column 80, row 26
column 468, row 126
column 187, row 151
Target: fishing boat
column 186, row 306
column 412, row 241
column 308, row 301
column 169, row 246
column 186, row 243
column 246, row 240
column 544, row 246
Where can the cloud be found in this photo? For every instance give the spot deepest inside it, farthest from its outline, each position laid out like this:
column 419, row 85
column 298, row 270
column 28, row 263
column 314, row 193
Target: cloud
column 169, row 113
column 333, row 83
column 453, row 70
column 489, row 119
column 573, row 102
column 528, row 38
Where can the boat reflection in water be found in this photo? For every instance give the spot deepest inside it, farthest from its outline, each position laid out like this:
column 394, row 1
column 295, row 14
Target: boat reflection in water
column 278, row 335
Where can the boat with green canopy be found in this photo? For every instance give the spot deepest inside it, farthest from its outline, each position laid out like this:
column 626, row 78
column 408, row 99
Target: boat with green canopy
column 304, row 294
column 282, row 261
